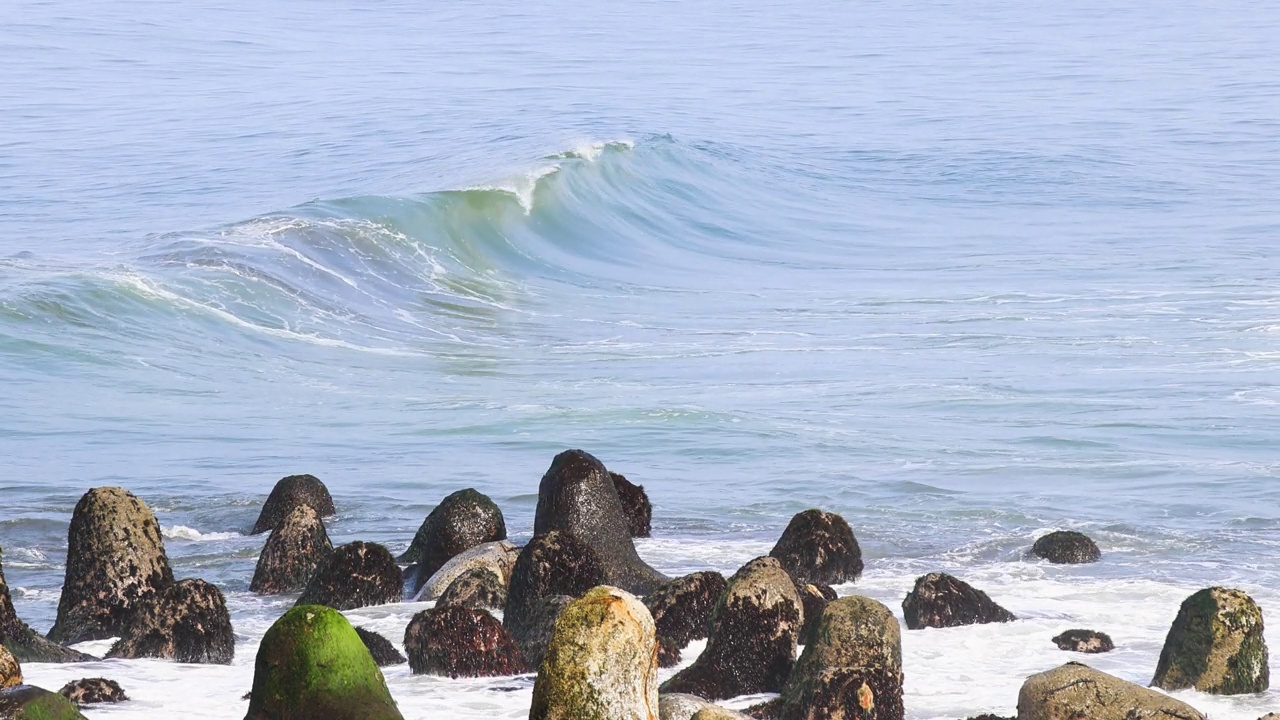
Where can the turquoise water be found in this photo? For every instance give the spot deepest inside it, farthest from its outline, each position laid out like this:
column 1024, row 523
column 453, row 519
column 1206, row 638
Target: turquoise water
column 962, row 273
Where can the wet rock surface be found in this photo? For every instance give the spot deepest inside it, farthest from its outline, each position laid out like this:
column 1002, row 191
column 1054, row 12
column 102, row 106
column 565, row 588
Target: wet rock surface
column 358, row 574
column 384, row 653
column 815, row 599
column 293, row 551
column 1079, row 691
column 1215, row 645
column 532, row 630
column 187, row 622
column 552, row 564
column 289, row 493
column 93, row 691
column 27, row 702
column 1084, row 641
column 460, row 642
column 1066, row 547
column 635, row 505
column 940, row 600
column 478, row 588
column 682, row 608
column 819, row 547
column 461, row 521
column 497, row 557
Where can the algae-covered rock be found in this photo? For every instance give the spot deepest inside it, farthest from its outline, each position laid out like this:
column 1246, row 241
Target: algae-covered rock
column 1067, row 547
column 851, row 669
column 289, row 493
column 312, row 665
column 635, row 505
column 752, row 644
column 384, row 653
column 1215, row 645
column 27, row 702
column 940, row 600
column 1076, row 691
column 293, row 551
column 461, row 521
column 497, row 557
column 356, row 575
column 1084, row 641
column 26, row 644
column 819, row 547
column 682, row 608
column 460, row 642
column 476, row 588
column 552, row 564
column 815, row 599
column 577, row 495
column 115, row 559
column 601, row 663
column 10, row 670
column 187, row 622
column 93, row 691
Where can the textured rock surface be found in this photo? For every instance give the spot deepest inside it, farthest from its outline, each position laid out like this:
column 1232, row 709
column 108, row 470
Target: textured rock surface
column 815, row 599
column 679, row 706
column 289, row 493
column 26, row 644
column 297, row 545
column 1078, row 691
column 668, row 652
column 26, row 702
column 499, row 557
column 187, row 622
column 115, row 559
column 940, row 600
column 635, row 505
column 553, row 563
column 93, row 691
column 10, row 670
column 577, row 495
column 601, row 663
column 460, row 642
column 461, row 521
column 384, row 653
column 1215, row 645
column 1066, row 547
column 357, row 574
column 819, row 547
column 715, row 712
column 533, row 630
column 682, row 608
column 479, row 588
column 311, row 664
column 752, row 644
column 1084, row 641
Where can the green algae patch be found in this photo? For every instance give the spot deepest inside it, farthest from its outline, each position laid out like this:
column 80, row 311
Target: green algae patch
column 1215, row 645
column 26, row 702
column 313, row 666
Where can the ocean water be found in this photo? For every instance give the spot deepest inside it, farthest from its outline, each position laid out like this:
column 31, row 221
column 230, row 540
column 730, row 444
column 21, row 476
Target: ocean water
column 961, row 272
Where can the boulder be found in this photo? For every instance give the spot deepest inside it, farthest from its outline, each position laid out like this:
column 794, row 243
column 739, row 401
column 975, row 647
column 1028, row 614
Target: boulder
column 27, row 702
column 384, row 653
column 682, row 608
column 752, row 643
column 187, row 622
column 476, row 588
column 311, row 664
column 1215, row 645
column 356, row 575
column 93, row 691
column 819, row 547
column 26, row 644
column 679, row 706
column 1066, row 547
column 500, row 557
column 815, row 599
column 715, row 712
column 460, row 522
column 1270, row 716
column 851, row 669
column 940, row 600
column 115, row 560
column 635, row 505
column 1079, row 691
column 460, row 642
column 1084, row 641
column 296, row 546
column 532, row 630
column 601, row 663
column 10, row 670
column 553, row 563
column 577, row 495
column 289, row 493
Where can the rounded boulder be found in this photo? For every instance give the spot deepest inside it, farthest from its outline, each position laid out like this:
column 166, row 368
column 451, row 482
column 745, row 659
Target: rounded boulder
column 461, row 521
column 1066, row 547
column 940, row 600
column 460, row 642
column 498, row 557
column 477, row 588
column 1084, row 641
column 295, row 548
column 289, row 493
column 27, row 702
column 819, row 547
column 356, row 575
column 1079, row 691
column 1215, row 645
column 93, row 691
column 682, row 608
column 188, row 622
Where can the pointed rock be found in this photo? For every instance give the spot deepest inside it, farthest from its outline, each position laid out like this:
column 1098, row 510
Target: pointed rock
column 1215, row 646
column 295, row 548
column 682, row 608
column 289, row 493
column 384, row 653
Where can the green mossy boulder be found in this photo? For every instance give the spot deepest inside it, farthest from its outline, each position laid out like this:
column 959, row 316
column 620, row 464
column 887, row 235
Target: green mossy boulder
column 313, row 666
column 1078, row 691
column 27, row 702
column 1215, row 645
column 601, row 663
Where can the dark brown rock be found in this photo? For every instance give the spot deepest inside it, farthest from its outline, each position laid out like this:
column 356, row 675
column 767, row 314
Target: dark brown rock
column 682, row 608
column 532, row 631
column 461, row 521
column 668, row 652
column 1066, row 547
column 1084, row 641
column 553, row 563
column 478, row 588
column 289, row 493
column 815, row 599
column 635, row 505
column 187, row 622
column 819, row 547
column 356, row 575
column 26, row 644
column 115, row 560
column 460, row 642
column 940, row 600
column 384, row 653
column 93, row 691
column 577, row 495
column 296, row 546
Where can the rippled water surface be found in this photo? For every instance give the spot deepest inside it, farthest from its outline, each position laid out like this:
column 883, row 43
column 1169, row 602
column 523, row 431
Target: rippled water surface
column 961, row 272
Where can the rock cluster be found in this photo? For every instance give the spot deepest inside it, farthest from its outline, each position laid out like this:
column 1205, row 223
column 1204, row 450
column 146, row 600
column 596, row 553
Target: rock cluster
column 461, row 521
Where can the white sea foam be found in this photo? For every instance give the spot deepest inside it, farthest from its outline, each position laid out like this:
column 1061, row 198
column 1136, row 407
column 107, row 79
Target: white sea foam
column 182, row 532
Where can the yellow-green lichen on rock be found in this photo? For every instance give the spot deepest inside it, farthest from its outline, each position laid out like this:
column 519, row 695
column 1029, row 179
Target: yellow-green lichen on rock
column 313, row 666
column 1215, row 645
column 601, row 663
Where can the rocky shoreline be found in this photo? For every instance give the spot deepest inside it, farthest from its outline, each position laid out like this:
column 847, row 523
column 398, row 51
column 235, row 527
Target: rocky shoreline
column 581, row 609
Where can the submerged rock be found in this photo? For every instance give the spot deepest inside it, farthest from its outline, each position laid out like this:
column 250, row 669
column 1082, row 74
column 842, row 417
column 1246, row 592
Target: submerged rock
column 460, row 642
column 27, row 702
column 1079, row 691
column 93, row 691
column 940, row 600
column 311, row 664
column 115, row 560
column 819, row 547
column 295, row 548
column 10, row 670
column 601, row 662
column 1084, row 641
column 497, row 557
column 358, row 574
column 682, row 608
column 477, row 588
column 577, row 495
column 461, row 521
column 188, row 622
column 26, row 644
column 752, row 644
column 384, row 653
column 1067, row 547
column 635, row 505
column 289, row 493
column 1215, row 645
column 553, row 563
